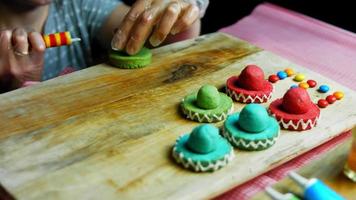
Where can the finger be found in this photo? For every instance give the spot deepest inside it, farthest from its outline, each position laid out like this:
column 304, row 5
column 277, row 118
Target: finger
column 141, row 30
column 20, row 42
column 120, row 38
column 190, row 15
column 5, row 46
column 168, row 19
column 37, row 43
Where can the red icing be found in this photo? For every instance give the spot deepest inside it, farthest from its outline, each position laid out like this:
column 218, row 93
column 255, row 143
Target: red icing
column 251, row 78
column 296, row 101
column 331, row 99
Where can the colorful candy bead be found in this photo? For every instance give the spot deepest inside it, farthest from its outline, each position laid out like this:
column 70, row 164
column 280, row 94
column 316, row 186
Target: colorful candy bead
column 294, row 86
column 322, row 103
column 58, row 39
column 289, row 71
column 311, row 83
column 304, row 85
column 299, row 77
column 282, row 75
column 338, row 95
column 331, row 99
column 273, row 78
column 323, row 89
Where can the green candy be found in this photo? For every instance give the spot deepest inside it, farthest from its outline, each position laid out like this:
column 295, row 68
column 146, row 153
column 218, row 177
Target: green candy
column 123, row 60
column 208, row 97
column 202, row 139
column 253, row 118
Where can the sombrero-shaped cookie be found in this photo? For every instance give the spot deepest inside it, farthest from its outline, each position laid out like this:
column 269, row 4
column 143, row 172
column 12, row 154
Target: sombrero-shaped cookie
column 252, row 129
column 250, row 86
column 203, row 149
column 295, row 111
column 208, row 105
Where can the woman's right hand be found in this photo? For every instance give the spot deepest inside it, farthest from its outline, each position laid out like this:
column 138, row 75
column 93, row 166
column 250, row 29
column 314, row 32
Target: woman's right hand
column 21, row 58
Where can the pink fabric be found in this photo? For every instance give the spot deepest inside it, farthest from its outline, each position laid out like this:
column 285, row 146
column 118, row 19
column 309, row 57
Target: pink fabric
column 323, row 48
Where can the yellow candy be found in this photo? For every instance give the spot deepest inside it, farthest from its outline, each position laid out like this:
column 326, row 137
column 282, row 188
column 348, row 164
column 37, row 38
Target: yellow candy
column 339, row 95
column 289, row 71
column 304, row 85
column 299, row 77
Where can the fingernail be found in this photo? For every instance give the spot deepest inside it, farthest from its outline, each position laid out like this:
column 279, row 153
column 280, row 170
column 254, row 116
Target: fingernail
column 116, row 42
column 175, row 30
column 155, row 41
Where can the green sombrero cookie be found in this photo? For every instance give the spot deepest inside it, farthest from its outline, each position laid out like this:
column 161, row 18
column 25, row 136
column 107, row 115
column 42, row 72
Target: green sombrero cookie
column 208, row 105
column 251, row 129
column 203, row 149
column 123, row 60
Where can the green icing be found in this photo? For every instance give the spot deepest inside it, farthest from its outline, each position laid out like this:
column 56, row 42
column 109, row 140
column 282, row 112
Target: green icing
column 231, row 126
column 222, row 148
column 208, row 97
column 123, row 60
column 189, row 103
column 202, row 139
column 253, row 118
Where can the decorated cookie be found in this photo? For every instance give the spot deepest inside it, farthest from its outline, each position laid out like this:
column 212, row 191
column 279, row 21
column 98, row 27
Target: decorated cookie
column 123, row 60
column 208, row 105
column 203, row 149
column 295, row 111
column 250, row 86
column 252, row 129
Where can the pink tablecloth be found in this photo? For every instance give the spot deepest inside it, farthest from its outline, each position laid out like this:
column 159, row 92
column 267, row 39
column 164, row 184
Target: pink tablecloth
column 323, row 48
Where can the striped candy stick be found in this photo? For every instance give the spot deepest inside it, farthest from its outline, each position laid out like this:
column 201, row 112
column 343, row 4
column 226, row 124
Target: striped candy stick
column 59, row 39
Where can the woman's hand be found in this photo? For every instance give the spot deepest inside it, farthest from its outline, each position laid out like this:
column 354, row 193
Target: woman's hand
column 21, row 57
column 159, row 17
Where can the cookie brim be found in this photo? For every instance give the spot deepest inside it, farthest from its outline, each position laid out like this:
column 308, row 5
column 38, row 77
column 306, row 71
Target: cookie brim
column 193, row 112
column 250, row 141
column 295, row 122
column 202, row 162
column 248, row 96
column 121, row 59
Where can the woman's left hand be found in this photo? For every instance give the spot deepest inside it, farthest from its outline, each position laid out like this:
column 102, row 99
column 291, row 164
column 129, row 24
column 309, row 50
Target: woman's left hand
column 159, row 17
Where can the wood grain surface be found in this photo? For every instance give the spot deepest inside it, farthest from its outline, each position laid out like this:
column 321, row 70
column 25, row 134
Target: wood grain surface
column 107, row 133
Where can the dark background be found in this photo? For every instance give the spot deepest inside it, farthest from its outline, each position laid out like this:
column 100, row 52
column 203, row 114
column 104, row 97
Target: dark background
column 222, row 13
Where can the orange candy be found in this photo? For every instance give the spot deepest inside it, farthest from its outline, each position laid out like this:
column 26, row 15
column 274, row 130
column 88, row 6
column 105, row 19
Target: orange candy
column 289, row 71
column 339, row 95
column 304, row 85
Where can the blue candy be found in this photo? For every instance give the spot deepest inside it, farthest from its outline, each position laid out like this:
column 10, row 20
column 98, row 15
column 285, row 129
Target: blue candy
column 282, row 75
column 294, row 86
column 323, row 89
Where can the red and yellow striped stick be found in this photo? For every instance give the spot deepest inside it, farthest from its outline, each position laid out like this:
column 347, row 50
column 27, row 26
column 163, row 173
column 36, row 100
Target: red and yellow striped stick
column 59, row 39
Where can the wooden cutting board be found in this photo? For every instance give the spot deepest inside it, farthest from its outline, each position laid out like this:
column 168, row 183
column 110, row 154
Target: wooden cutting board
column 107, row 133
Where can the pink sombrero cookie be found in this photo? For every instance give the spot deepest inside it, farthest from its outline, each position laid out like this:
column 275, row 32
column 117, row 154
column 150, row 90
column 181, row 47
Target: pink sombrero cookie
column 295, row 111
column 250, row 86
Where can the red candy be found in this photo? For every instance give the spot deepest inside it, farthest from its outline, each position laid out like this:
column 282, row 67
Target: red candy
column 331, row 99
column 251, row 78
column 311, row 83
column 296, row 101
column 273, row 78
column 322, row 103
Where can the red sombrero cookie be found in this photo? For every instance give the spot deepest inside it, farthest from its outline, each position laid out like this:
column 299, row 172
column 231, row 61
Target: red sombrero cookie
column 295, row 111
column 250, row 86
